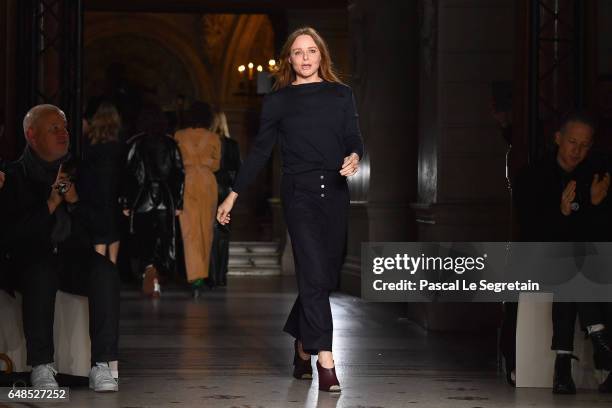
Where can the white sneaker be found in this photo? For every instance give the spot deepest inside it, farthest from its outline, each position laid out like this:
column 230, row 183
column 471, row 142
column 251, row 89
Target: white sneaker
column 101, row 379
column 43, row 376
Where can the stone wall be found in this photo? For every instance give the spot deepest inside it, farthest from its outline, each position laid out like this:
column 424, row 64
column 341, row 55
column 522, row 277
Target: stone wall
column 462, row 188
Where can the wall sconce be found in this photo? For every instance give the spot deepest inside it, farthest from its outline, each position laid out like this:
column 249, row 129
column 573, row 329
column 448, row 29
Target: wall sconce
column 256, row 79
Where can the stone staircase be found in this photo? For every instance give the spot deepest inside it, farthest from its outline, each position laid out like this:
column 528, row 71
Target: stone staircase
column 254, row 258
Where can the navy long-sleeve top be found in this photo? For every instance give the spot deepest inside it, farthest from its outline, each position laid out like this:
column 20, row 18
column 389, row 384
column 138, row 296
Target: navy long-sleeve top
column 317, row 126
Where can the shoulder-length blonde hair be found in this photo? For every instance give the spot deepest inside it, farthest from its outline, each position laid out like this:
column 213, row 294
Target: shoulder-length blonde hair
column 105, row 124
column 285, row 74
column 219, row 125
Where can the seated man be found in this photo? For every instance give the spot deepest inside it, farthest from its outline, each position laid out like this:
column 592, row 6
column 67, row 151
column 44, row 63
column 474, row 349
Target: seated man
column 562, row 197
column 45, row 230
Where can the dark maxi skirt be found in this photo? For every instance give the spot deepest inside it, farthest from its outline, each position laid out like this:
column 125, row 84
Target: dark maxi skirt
column 316, row 208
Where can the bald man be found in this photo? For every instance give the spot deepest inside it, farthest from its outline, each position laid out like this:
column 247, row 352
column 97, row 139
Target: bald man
column 563, row 198
column 46, row 231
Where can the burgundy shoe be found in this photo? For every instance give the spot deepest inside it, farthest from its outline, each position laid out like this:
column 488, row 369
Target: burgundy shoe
column 327, row 379
column 302, row 369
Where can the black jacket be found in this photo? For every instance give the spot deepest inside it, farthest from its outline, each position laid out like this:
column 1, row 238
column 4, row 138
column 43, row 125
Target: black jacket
column 27, row 225
column 229, row 167
column 155, row 177
column 100, row 178
column 537, row 196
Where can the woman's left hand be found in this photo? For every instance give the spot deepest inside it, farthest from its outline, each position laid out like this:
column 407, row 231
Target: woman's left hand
column 350, row 165
column 225, row 208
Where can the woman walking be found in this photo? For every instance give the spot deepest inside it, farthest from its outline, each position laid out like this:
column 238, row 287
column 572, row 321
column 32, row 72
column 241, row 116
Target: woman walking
column 104, row 158
column 201, row 151
column 314, row 116
column 153, row 196
column 226, row 175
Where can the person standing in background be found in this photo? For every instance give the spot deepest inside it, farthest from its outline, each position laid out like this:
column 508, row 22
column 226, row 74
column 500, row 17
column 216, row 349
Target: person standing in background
column 201, row 151
column 230, row 165
column 104, row 157
column 153, row 196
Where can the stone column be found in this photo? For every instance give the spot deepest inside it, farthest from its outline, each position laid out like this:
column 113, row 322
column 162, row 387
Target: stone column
column 462, row 194
column 384, row 40
column 462, row 187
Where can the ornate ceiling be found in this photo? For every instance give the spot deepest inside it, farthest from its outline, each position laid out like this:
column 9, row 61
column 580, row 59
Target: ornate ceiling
column 192, row 54
column 210, row 6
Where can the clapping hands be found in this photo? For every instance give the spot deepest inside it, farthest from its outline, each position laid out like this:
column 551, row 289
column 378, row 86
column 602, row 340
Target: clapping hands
column 599, row 188
column 567, row 198
column 599, row 191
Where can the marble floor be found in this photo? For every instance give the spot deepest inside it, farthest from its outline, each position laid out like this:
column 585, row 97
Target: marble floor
column 227, row 350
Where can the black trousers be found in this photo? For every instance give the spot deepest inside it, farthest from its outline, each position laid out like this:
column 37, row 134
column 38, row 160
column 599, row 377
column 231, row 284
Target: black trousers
column 507, row 342
column 595, row 313
column 219, row 254
column 155, row 240
column 83, row 273
column 316, row 207
column 564, row 324
column 563, row 319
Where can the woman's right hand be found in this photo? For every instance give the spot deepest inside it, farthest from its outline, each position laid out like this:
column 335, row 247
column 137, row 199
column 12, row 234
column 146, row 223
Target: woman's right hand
column 223, row 212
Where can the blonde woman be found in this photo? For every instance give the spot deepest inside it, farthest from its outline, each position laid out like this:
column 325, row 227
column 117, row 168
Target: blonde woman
column 219, row 124
column 104, row 159
column 230, row 164
column 313, row 115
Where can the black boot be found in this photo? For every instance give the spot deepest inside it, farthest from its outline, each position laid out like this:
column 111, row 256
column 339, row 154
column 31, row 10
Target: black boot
column 562, row 381
column 511, row 381
column 606, row 386
column 602, row 353
column 510, row 366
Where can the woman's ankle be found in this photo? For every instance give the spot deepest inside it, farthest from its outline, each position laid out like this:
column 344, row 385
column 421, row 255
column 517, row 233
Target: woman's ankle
column 326, row 359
